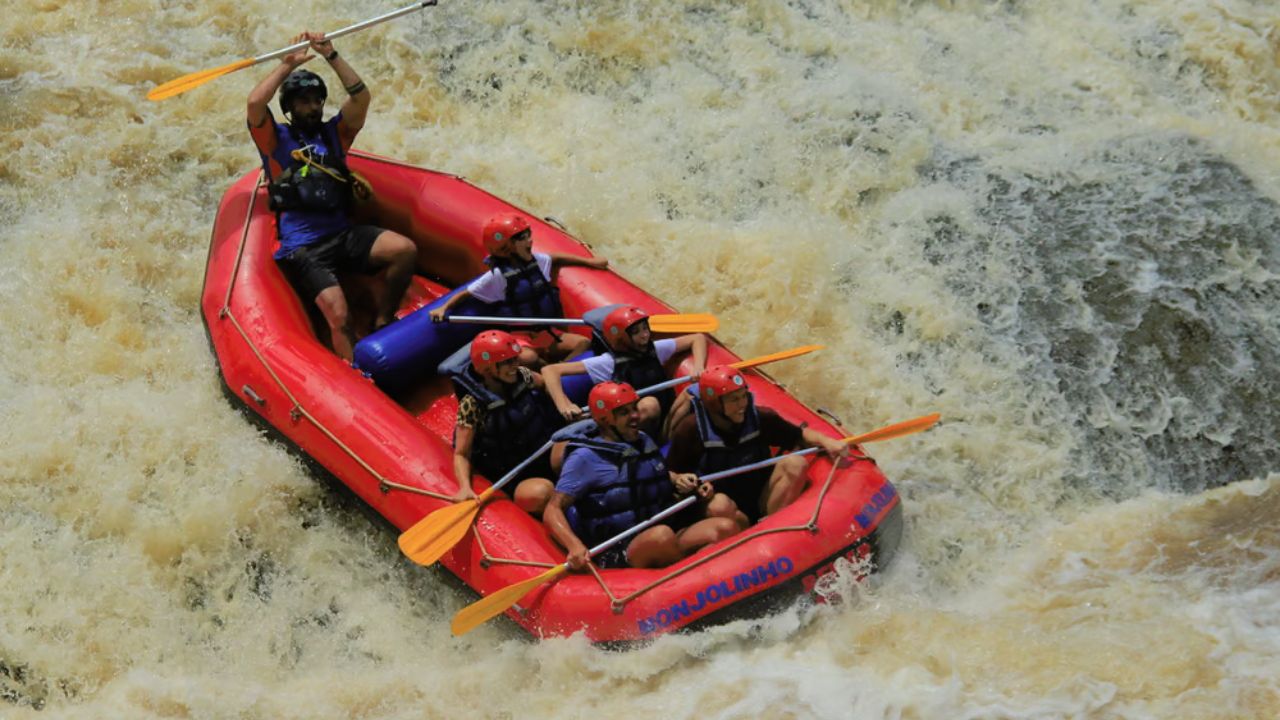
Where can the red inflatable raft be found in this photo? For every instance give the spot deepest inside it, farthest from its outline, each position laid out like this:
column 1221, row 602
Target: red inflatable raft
column 390, row 442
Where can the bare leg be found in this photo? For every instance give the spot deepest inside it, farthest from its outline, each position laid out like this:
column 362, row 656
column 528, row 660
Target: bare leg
column 653, row 548
column 532, row 495
column 704, row 533
column 789, row 479
column 650, row 409
column 569, row 345
column 333, row 305
column 398, row 254
column 721, row 506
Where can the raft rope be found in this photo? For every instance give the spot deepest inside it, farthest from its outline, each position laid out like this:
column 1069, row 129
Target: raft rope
column 617, row 604
column 298, row 411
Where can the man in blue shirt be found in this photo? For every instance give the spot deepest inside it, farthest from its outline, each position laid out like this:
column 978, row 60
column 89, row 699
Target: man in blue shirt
column 616, row 480
column 311, row 191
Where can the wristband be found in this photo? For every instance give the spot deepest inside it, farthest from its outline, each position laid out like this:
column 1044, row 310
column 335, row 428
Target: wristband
column 356, row 88
column 331, row 56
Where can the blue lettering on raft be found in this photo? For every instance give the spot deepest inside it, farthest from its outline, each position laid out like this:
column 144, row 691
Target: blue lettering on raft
column 878, row 502
column 714, row 593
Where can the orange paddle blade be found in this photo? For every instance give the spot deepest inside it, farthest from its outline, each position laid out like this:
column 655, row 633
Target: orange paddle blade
column 686, row 323
column 196, row 79
column 888, row 432
column 783, row 355
column 483, row 609
column 434, row 535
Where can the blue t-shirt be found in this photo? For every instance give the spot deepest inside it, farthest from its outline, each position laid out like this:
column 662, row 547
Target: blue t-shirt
column 584, row 470
column 298, row 228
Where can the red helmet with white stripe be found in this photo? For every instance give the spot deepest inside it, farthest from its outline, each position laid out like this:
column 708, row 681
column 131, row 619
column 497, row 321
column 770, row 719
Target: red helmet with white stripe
column 619, row 322
column 501, row 228
column 492, row 347
column 717, row 382
column 607, row 397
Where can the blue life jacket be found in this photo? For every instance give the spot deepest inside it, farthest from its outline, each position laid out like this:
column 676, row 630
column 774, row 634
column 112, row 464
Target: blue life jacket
column 529, row 292
column 309, row 203
column 640, row 370
column 516, row 423
column 721, row 454
column 640, row 489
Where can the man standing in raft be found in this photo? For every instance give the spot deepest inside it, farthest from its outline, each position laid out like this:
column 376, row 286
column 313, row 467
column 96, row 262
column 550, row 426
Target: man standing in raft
column 617, row 480
column 633, row 358
column 503, row 418
column 726, row 430
column 311, row 191
column 521, row 283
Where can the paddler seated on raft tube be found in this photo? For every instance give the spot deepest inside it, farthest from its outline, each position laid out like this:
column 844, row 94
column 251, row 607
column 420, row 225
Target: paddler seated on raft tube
column 722, row 428
column 503, row 417
column 522, row 283
column 616, row 480
column 312, row 191
column 634, row 358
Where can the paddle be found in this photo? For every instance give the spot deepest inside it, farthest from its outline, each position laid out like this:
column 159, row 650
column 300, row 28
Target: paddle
column 434, row 535
column 686, row 323
column 196, row 79
column 469, row 617
column 740, row 365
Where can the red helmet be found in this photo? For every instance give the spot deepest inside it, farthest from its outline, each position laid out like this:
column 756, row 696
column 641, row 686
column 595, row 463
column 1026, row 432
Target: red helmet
column 717, row 382
column 501, row 228
column 607, row 397
column 618, row 322
column 492, row 347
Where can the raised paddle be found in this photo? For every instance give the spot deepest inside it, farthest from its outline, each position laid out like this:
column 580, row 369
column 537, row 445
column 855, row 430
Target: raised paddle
column 469, row 617
column 196, row 79
column 686, row 323
column 434, row 535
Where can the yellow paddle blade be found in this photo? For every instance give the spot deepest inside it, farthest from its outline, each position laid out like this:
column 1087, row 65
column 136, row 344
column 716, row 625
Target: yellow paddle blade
column 195, row 79
column 687, row 323
column 483, row 609
column 434, row 535
column 784, row 355
column 888, row 432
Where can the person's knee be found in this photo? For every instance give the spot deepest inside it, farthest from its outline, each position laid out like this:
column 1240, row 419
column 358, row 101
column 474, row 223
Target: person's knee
column 721, row 527
column 795, row 467
column 575, row 344
column 394, row 248
column 722, row 506
column 533, row 494
column 649, row 409
column 333, row 305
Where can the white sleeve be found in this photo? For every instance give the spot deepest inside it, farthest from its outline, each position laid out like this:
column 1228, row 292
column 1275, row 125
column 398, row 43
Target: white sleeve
column 544, row 264
column 665, row 349
column 490, row 287
column 599, row 368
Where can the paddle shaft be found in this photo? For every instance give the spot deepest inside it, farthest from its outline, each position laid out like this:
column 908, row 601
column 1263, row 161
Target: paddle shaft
column 347, row 30
column 487, row 320
column 741, row 364
column 693, row 498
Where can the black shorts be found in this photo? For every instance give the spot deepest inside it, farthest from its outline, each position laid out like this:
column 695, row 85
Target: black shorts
column 613, row 557
column 540, row 468
column 745, row 490
column 315, row 267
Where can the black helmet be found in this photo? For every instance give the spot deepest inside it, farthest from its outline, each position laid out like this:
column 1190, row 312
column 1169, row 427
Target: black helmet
column 300, row 82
